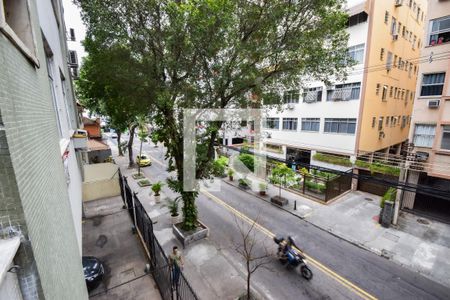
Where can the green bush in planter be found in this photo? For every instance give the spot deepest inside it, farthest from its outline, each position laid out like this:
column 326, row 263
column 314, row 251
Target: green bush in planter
column 316, row 187
column 244, row 182
column 390, row 195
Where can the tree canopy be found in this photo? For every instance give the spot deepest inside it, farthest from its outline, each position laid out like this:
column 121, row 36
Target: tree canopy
column 213, row 54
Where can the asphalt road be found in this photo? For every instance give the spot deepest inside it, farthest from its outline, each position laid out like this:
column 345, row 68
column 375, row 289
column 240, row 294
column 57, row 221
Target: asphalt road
column 368, row 274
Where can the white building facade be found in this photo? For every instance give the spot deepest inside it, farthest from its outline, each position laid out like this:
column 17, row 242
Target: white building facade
column 319, row 117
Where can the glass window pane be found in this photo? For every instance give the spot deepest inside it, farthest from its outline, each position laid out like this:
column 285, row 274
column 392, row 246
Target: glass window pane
column 445, row 144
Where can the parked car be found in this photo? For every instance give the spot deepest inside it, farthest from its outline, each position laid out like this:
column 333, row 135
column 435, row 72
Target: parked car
column 93, row 271
column 143, row 160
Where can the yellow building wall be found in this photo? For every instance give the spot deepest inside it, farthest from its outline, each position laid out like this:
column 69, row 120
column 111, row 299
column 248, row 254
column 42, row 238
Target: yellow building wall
column 370, row 138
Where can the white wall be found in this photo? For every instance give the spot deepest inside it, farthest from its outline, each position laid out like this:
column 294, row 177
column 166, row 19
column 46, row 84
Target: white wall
column 53, row 35
column 73, row 20
column 328, row 142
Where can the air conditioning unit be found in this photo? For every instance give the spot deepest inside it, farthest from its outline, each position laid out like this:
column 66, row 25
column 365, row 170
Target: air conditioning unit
column 422, row 156
column 433, row 103
column 398, row 3
column 394, row 37
column 290, row 106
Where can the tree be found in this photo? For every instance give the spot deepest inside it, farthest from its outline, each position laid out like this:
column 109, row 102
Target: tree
column 108, row 85
column 282, row 174
column 252, row 250
column 213, row 53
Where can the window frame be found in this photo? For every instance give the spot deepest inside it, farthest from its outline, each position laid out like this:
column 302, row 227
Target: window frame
column 445, row 131
column 438, row 31
column 415, row 134
column 289, row 95
column 8, row 31
column 432, row 84
column 337, row 122
column 294, row 120
column 311, row 122
column 273, row 120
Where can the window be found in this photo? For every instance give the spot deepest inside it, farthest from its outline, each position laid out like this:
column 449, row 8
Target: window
column 347, row 126
column 399, row 27
column 380, row 123
column 291, row 96
column 432, row 84
column 418, row 14
column 440, row 31
column 410, row 3
column 424, row 135
column 274, row 148
column 389, row 61
column 386, row 17
column 312, row 95
column 382, row 54
column 445, row 143
column 387, row 121
column 384, row 94
column 400, row 63
column 272, row 123
column 395, row 93
column 72, row 34
column 15, row 23
column 403, row 122
column 406, row 95
column 73, row 58
column 290, row 124
column 395, row 60
column 374, row 121
column 310, row 124
column 410, row 70
column 391, row 91
column 51, row 78
column 377, row 90
column 356, row 53
column 393, row 26
column 357, row 19
column 348, row 91
column 414, row 42
column 404, row 32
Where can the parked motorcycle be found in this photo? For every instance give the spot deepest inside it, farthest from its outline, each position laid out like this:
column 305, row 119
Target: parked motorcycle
column 289, row 255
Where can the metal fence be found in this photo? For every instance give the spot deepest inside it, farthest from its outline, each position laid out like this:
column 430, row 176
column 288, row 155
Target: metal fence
column 159, row 263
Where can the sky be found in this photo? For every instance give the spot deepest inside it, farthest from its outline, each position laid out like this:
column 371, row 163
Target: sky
column 73, row 20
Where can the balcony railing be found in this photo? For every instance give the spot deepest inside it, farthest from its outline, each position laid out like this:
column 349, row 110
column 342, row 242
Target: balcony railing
column 310, row 97
column 342, row 94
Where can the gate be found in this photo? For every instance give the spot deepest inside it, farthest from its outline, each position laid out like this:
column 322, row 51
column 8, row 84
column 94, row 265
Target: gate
column 159, row 264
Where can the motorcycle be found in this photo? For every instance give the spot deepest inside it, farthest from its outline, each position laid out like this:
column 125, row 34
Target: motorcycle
column 288, row 254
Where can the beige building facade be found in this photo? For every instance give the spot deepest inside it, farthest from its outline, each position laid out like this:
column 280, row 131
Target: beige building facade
column 430, row 125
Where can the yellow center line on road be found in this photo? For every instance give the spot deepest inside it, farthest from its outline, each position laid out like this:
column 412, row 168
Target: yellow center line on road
column 360, row 292
column 346, row 283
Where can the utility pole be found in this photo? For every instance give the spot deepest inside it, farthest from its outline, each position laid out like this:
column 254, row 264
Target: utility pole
column 410, row 156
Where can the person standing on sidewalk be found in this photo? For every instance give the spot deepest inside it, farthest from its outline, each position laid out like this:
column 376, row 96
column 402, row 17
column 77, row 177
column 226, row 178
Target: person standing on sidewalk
column 176, row 264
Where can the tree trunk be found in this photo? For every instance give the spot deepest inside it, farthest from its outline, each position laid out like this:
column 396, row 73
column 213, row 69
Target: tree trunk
column 189, row 210
column 140, row 154
column 248, row 279
column 130, row 146
column 119, row 135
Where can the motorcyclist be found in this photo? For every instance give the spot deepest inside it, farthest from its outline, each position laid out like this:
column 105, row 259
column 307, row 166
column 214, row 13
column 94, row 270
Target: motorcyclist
column 284, row 247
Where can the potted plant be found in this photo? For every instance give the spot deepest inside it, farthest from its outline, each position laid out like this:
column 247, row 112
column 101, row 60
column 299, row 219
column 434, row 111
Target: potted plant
column 173, row 208
column 156, row 188
column 262, row 189
column 230, row 174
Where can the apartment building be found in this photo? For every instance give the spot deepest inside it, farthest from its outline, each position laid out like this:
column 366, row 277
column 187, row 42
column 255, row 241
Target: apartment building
column 430, row 125
column 40, row 171
column 371, row 111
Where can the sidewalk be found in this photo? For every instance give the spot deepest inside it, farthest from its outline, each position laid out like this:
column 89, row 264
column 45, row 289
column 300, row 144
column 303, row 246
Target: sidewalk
column 107, row 235
column 207, row 268
column 424, row 248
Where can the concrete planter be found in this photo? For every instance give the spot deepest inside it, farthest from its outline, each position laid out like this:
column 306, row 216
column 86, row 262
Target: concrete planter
column 175, row 219
column 188, row 237
column 279, row 200
column 243, row 186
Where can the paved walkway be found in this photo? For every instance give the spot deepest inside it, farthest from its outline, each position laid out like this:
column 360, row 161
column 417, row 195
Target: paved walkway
column 424, row 248
column 107, row 235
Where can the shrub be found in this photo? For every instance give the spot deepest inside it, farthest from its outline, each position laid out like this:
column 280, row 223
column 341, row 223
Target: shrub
column 336, row 160
column 156, row 187
column 173, row 207
column 230, row 172
column 378, row 167
column 218, row 169
column 390, row 195
column 248, row 160
column 262, row 186
column 244, row 182
column 317, row 187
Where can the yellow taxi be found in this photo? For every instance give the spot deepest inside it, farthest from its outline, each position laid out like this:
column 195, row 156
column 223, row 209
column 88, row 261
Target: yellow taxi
column 143, row 160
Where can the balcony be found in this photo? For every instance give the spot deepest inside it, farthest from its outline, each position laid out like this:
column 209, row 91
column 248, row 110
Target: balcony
column 343, row 94
column 310, row 97
column 80, row 138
